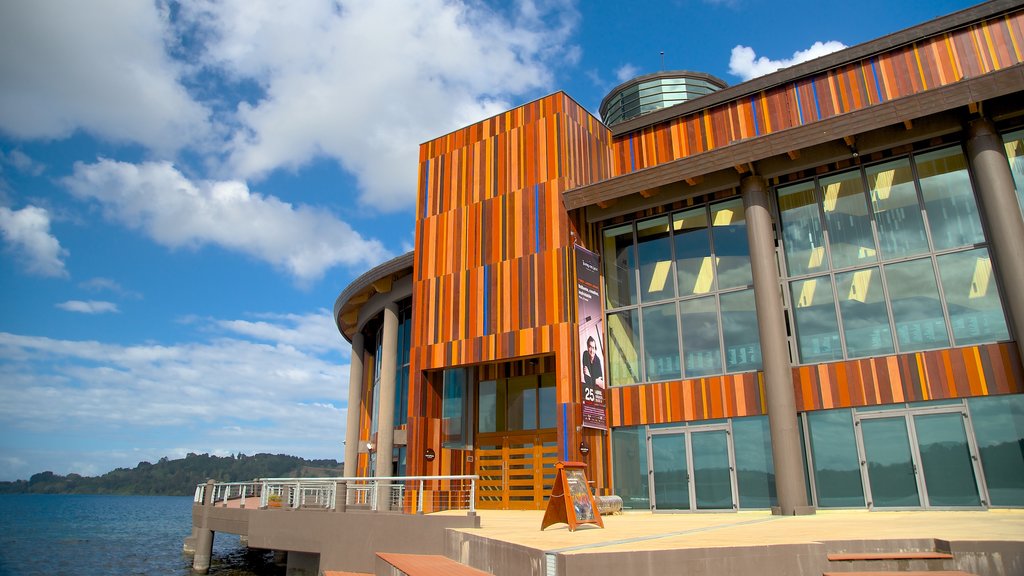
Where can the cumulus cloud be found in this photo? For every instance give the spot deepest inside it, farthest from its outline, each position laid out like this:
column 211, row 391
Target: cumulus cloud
column 747, row 65
column 96, row 66
column 88, row 306
column 626, row 72
column 26, row 234
column 174, row 211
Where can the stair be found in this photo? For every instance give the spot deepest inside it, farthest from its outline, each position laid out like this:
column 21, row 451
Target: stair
column 427, row 565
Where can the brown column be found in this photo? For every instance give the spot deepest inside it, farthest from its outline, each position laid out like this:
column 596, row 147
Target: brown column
column 386, row 410
column 355, row 408
column 998, row 198
column 778, row 374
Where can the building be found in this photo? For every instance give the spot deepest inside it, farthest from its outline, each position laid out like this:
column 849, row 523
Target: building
column 804, row 291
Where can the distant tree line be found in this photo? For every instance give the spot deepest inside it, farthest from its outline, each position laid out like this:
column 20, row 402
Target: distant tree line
column 175, row 477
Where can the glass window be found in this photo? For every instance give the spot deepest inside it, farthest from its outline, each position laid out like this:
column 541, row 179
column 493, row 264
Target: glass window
column 629, row 466
column 732, row 250
column 489, row 419
column 897, row 212
column 862, row 307
column 998, row 423
column 619, row 267
column 1014, row 143
column 654, row 254
column 522, row 403
column 916, row 308
column 661, row 342
column 846, row 215
column 755, row 471
column 949, row 199
column 700, row 337
column 547, row 408
column 834, row 453
column 454, row 409
column 817, row 331
column 801, row 229
column 740, row 332
column 623, row 347
column 975, row 309
column 694, row 269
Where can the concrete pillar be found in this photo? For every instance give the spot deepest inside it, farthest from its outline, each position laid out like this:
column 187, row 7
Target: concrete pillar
column 998, row 198
column 778, row 374
column 386, row 410
column 355, row 408
column 203, row 535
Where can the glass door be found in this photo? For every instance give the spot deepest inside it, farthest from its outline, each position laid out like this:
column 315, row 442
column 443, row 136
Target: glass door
column 712, row 473
column 891, row 469
column 670, row 471
column 692, row 469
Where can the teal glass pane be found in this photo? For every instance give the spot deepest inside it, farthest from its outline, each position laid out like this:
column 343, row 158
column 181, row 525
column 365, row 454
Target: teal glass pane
column 740, row 331
column 847, row 219
column 454, row 433
column 712, row 480
column 949, row 198
column 629, row 467
column 1014, row 144
column 548, row 404
column 998, row 423
column 522, row 403
column 865, row 319
column 972, row 298
column 946, row 460
column 623, row 352
column 695, row 272
column 671, row 476
column 487, row 406
column 700, row 337
column 916, row 308
column 897, row 212
column 661, row 342
column 836, row 467
column 814, row 311
column 619, row 266
column 732, row 249
column 654, row 255
column 803, row 240
column 891, row 471
column 755, row 471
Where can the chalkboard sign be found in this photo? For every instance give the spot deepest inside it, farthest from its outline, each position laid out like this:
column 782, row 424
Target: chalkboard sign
column 571, row 501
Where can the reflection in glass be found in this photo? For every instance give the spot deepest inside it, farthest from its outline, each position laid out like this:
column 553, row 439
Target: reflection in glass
column 454, row 409
column 998, row 423
column 891, row 471
column 801, row 229
column 661, row 342
column 700, row 336
column 694, row 269
column 897, row 213
column 846, row 215
column 732, row 250
column 547, row 407
column 654, row 254
column 1014, row 144
column 975, row 309
column 619, row 267
column 949, row 198
column 836, row 465
column 629, row 466
column 862, row 307
column 755, row 472
column 623, row 347
column 739, row 331
column 671, row 476
column 916, row 308
column 712, row 478
column 487, row 411
column 817, row 331
column 946, row 460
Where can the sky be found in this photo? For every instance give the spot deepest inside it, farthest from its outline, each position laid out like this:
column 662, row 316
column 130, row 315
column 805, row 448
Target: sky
column 187, row 186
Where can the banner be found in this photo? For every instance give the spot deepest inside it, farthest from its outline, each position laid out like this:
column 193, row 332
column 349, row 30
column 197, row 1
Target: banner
column 591, row 322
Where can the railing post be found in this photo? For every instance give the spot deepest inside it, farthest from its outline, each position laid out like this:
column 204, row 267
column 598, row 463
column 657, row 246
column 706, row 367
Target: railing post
column 419, row 499
column 472, row 496
column 242, row 502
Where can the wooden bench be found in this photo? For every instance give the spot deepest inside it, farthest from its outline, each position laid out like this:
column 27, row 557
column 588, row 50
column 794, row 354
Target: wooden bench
column 852, row 556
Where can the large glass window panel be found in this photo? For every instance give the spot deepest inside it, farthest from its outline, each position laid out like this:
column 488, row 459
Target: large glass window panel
column 1014, row 143
column 624, row 347
column 946, row 460
column 837, row 477
column 487, row 407
column 629, row 466
column 998, row 423
column 916, row 308
column 454, row 409
column 712, row 477
column 801, row 230
column 671, row 474
column 897, row 212
column 694, row 269
column 814, row 310
column 891, row 471
column 739, row 331
column 654, row 254
column 619, row 267
column 522, row 403
column 700, row 337
column 972, row 299
column 661, row 342
column 847, row 219
column 548, row 403
column 865, row 320
column 949, row 198
column 732, row 251
column 755, row 471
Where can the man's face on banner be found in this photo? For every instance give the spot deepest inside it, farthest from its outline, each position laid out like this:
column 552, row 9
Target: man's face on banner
column 591, row 348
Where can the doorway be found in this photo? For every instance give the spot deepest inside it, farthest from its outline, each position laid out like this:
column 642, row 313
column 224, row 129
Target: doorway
column 692, row 469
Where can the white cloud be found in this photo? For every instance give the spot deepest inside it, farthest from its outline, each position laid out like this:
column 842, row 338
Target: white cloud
column 626, row 72
column 100, row 284
column 22, row 162
column 157, row 199
column 309, row 331
column 26, row 233
column 97, row 66
column 88, row 306
column 745, row 63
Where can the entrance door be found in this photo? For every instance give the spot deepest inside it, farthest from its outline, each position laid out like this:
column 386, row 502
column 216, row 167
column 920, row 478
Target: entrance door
column 516, row 469
column 691, row 469
column 918, row 459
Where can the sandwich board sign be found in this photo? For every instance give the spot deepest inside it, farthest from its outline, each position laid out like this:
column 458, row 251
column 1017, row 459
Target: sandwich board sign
column 571, row 501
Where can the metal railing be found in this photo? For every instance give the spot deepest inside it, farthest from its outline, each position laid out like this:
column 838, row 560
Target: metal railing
column 417, row 494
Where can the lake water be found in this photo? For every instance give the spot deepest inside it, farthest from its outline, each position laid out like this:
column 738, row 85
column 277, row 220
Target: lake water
column 91, row 535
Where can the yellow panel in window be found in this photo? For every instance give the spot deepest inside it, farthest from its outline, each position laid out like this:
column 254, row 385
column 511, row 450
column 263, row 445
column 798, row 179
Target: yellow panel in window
column 806, row 298
column 980, row 279
column 723, row 217
column 705, row 276
column 817, row 257
column 883, row 185
column 661, row 270
column 860, row 285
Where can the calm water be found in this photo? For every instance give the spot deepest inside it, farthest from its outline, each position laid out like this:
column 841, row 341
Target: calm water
column 87, row 535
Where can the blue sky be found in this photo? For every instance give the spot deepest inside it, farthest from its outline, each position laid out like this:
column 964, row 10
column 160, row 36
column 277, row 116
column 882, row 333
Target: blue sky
column 185, row 188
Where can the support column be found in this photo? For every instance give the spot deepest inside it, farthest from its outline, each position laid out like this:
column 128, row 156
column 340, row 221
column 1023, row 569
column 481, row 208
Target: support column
column 204, row 536
column 386, row 411
column 778, row 374
column 355, row 407
column 998, row 198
